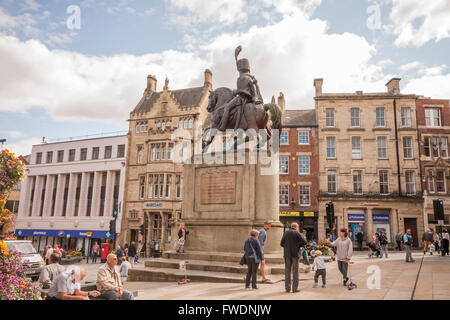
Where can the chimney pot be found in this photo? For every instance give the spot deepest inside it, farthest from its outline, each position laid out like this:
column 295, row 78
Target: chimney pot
column 208, row 79
column 151, row 83
column 318, row 85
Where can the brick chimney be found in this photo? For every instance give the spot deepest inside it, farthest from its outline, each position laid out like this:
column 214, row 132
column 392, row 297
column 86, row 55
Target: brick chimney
column 393, row 86
column 318, row 85
column 208, row 80
column 281, row 101
column 151, row 84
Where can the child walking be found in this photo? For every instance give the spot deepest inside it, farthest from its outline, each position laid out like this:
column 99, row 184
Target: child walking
column 321, row 270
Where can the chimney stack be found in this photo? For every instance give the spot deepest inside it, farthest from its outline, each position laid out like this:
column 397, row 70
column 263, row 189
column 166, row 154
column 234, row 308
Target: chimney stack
column 318, row 85
column 208, row 80
column 151, row 83
column 281, row 102
column 393, row 86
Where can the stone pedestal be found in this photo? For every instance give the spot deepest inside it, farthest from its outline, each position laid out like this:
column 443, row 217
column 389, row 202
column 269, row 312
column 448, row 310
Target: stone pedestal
column 222, row 203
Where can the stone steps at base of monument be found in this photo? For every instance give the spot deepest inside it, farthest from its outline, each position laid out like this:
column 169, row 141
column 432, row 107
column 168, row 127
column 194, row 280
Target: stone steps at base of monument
column 201, row 265
column 274, row 258
column 174, row 275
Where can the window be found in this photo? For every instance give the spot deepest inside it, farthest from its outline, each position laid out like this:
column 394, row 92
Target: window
column 435, row 142
column 431, row 182
column 41, row 209
column 156, row 186
column 157, row 152
column 305, row 195
column 284, row 138
column 444, row 145
column 427, row 146
column 161, row 185
column 357, row 182
column 410, row 183
column 83, row 154
column 284, row 164
column 331, row 181
column 77, row 195
column 303, row 137
column 384, row 181
column 95, row 153
column 382, row 147
column 329, row 117
column 407, row 148
column 169, row 151
column 284, row 195
column 72, row 155
column 356, row 148
column 138, row 127
column 66, row 194
column 185, row 123
column 141, row 187
column 406, row 117
column 139, row 154
column 440, row 181
column 381, row 121
column 49, row 156
column 331, row 147
column 39, row 158
column 60, row 155
column 163, row 126
column 303, row 165
column 108, row 152
column 168, row 185
column 120, row 151
column 103, row 195
column 433, row 117
column 178, row 186
column 55, row 184
column 190, row 123
column 150, row 186
column 89, row 195
column 354, row 117
column 163, row 151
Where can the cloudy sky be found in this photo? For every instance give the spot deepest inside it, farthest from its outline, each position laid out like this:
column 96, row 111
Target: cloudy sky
column 72, row 68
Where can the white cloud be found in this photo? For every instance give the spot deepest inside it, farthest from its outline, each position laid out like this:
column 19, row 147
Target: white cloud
column 430, row 86
column 410, row 66
column 431, row 16
column 22, row 147
column 433, row 71
column 14, row 134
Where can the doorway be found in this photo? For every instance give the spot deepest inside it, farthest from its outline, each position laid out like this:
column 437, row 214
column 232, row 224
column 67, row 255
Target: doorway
column 411, row 223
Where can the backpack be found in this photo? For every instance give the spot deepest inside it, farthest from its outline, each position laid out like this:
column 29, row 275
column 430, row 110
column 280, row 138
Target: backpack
column 383, row 240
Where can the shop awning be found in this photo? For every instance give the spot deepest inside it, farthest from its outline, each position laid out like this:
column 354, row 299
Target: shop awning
column 95, row 234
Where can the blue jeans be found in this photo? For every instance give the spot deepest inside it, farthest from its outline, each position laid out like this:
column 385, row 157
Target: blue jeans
column 114, row 295
column 305, row 257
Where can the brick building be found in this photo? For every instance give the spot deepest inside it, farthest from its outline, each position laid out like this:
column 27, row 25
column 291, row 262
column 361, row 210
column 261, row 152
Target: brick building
column 433, row 123
column 369, row 162
column 298, row 170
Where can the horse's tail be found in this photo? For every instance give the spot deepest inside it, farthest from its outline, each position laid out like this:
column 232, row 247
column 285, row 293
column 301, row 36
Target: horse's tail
column 275, row 114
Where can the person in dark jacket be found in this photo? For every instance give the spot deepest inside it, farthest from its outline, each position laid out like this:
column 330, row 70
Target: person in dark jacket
column 398, row 239
column 427, row 239
column 359, row 239
column 119, row 254
column 253, row 256
column 291, row 242
column 182, row 235
column 132, row 253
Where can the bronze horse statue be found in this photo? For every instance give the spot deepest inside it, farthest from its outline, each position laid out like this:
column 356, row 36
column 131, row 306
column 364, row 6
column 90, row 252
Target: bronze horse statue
column 255, row 116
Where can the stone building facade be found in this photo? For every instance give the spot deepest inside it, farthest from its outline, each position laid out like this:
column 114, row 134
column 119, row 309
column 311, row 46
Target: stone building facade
column 153, row 194
column 433, row 123
column 369, row 162
column 299, row 167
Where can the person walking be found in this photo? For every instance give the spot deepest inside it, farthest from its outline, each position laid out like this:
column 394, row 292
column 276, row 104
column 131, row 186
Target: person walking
column 304, row 252
column 321, row 270
column 437, row 241
column 398, row 240
column 292, row 241
column 408, row 242
column 253, row 256
column 383, row 245
column 445, row 241
column 182, row 235
column 119, row 254
column 344, row 251
column 427, row 239
column 132, row 253
column 262, row 237
column 95, row 252
column 359, row 239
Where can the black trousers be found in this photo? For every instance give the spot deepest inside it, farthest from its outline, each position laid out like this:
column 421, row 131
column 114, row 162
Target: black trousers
column 343, row 268
column 399, row 245
column 291, row 267
column 251, row 272
column 444, row 247
column 323, row 273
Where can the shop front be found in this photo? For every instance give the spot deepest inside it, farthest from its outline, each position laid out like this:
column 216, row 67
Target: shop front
column 381, row 222
column 356, row 223
column 68, row 239
column 307, row 220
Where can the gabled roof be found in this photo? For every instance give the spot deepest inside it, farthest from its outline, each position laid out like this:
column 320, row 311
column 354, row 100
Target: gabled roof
column 299, row 118
column 185, row 97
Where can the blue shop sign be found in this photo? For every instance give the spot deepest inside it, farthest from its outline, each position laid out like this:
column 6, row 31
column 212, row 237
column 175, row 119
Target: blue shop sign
column 95, row 234
column 356, row 217
column 380, row 217
column 154, row 204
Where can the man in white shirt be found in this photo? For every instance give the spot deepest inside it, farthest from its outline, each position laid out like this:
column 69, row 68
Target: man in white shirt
column 66, row 286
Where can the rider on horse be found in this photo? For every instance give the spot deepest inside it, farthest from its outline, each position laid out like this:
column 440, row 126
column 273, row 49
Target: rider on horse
column 247, row 92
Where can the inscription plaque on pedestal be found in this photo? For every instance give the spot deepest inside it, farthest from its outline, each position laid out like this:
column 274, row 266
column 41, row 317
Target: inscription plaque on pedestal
column 218, row 188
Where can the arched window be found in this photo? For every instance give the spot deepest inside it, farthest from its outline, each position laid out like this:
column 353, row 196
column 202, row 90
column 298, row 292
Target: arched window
column 190, row 123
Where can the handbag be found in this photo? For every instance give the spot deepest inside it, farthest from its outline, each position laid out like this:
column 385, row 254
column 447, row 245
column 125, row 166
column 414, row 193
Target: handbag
column 243, row 260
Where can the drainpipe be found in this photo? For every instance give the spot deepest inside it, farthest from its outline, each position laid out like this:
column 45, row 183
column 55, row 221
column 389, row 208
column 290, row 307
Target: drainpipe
column 396, row 149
